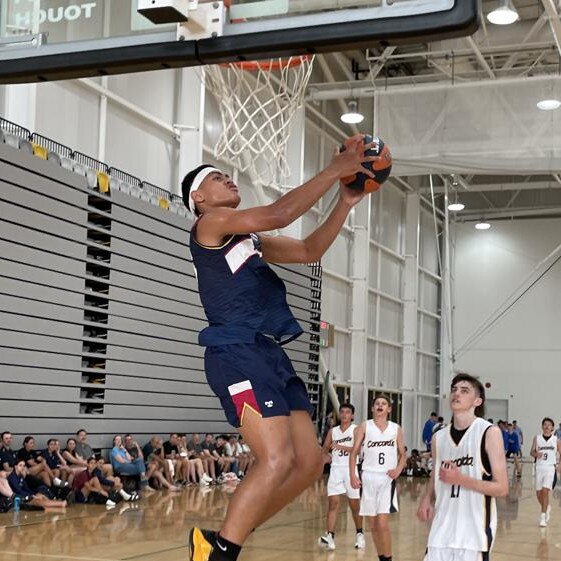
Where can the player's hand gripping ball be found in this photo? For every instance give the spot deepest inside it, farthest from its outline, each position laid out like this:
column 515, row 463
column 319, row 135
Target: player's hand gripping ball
column 380, row 168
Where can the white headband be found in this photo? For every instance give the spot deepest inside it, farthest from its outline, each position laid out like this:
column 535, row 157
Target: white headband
column 199, row 178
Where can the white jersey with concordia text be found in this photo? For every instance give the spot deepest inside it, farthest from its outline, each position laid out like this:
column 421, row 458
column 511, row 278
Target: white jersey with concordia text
column 464, row 519
column 380, row 447
column 340, row 458
column 548, row 448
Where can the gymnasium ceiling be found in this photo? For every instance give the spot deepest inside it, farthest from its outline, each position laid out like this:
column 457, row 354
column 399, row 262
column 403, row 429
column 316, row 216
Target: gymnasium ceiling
column 524, row 49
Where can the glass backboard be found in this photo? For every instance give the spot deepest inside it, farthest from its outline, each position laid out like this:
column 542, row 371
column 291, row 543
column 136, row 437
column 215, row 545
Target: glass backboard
column 59, row 39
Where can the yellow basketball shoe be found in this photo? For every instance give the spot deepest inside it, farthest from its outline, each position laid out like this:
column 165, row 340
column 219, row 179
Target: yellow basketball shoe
column 201, row 543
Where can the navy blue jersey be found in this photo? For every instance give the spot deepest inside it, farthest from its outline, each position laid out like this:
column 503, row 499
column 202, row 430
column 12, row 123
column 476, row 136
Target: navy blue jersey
column 241, row 295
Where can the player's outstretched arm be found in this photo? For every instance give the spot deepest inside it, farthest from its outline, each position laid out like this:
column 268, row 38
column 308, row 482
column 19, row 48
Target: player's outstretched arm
column 359, row 434
column 425, row 512
column 498, row 486
column 283, row 249
column 222, row 221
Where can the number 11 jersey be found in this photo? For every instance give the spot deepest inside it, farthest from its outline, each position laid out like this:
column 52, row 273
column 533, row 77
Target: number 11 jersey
column 464, row 519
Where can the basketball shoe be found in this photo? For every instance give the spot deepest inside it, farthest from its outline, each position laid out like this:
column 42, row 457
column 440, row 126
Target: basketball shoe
column 360, row 541
column 201, row 544
column 327, row 541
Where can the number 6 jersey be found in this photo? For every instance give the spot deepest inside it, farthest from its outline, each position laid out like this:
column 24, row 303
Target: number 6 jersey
column 380, row 447
column 464, row 519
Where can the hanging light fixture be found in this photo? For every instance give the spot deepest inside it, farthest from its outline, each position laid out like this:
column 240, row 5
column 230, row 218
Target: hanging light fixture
column 456, row 207
column 482, row 225
column 352, row 116
column 549, row 104
column 504, row 14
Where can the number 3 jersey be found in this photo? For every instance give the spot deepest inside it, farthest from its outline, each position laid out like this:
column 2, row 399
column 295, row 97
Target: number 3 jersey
column 340, row 458
column 380, row 447
column 464, row 519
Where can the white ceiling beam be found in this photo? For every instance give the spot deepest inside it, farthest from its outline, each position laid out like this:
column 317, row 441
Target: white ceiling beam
column 554, row 21
column 506, row 187
column 534, row 30
column 381, row 61
column 480, row 58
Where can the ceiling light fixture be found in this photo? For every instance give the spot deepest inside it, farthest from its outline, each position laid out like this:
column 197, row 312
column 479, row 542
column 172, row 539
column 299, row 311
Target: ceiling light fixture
column 456, row 207
column 352, row 116
column 482, row 225
column 549, row 104
column 504, row 14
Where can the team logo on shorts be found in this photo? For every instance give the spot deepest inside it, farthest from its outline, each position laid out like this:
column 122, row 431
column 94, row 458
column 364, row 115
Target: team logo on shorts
column 243, row 396
column 269, row 403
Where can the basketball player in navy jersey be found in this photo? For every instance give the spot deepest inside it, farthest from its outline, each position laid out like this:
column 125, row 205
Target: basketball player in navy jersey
column 245, row 303
column 339, row 443
column 546, row 449
column 469, row 472
column 381, row 441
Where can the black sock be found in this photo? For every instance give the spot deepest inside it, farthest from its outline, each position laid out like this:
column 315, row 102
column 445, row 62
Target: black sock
column 385, row 557
column 224, row 550
column 332, row 534
column 359, row 531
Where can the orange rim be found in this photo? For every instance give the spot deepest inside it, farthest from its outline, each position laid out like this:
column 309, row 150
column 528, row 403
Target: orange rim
column 275, row 64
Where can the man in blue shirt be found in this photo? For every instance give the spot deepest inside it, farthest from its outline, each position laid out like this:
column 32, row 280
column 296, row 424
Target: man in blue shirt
column 427, row 429
column 245, row 304
column 513, row 449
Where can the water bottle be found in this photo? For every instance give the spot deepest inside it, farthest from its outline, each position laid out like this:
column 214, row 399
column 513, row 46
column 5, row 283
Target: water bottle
column 17, row 502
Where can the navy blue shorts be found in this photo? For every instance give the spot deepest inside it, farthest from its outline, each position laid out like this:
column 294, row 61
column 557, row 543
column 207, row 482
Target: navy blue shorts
column 258, row 376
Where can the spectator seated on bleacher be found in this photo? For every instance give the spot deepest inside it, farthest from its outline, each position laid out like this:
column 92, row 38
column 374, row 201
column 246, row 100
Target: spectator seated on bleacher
column 56, row 462
column 8, row 457
column 85, row 451
column 196, row 469
column 153, row 468
column 36, row 464
column 125, row 465
column 88, row 489
column 75, row 461
column 40, row 497
column 179, row 466
column 195, row 450
column 208, row 447
column 230, row 464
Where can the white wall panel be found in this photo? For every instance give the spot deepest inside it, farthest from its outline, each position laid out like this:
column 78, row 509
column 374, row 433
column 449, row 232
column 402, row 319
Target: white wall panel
column 391, row 270
column 389, row 365
column 391, row 320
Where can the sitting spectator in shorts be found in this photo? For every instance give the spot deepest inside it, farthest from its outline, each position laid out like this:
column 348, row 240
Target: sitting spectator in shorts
column 153, row 467
column 125, row 464
column 233, row 450
column 209, row 450
column 39, row 497
column 88, row 489
column 74, row 460
column 195, row 449
column 230, row 464
column 85, row 451
column 36, row 464
column 111, row 482
column 196, row 468
column 56, row 462
column 179, row 465
column 153, row 451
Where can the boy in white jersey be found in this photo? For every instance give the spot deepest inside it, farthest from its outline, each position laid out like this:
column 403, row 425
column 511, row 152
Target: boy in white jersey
column 469, row 472
column 339, row 443
column 545, row 448
column 384, row 460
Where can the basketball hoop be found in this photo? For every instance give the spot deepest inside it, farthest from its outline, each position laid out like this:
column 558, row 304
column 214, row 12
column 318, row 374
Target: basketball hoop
column 257, row 101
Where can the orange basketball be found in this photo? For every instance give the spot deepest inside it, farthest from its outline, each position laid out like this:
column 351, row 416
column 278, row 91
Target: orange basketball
column 380, row 168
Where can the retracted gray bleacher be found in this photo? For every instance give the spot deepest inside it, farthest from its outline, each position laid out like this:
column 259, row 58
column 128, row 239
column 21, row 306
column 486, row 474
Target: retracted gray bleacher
column 100, row 308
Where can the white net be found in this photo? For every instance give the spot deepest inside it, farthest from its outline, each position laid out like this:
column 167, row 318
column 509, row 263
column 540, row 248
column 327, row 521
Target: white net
column 488, row 127
column 257, row 102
